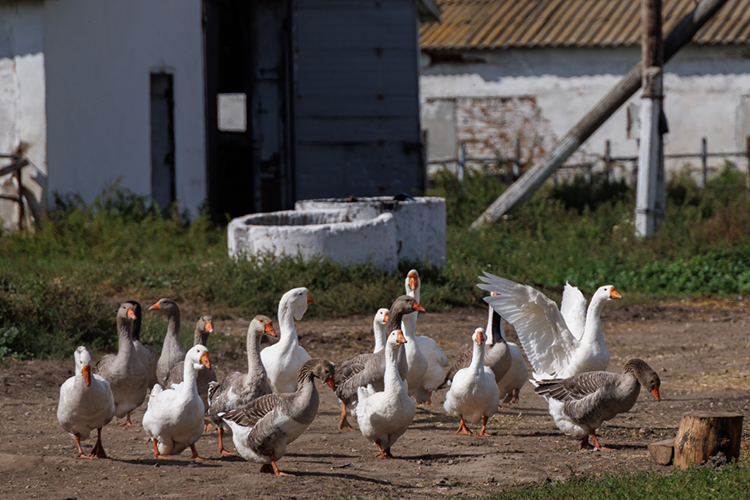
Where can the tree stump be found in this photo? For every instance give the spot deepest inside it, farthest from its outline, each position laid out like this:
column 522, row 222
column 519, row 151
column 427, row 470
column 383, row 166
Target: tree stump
column 704, row 434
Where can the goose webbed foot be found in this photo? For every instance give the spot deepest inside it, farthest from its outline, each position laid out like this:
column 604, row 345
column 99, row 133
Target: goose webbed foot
column 127, row 422
column 222, row 450
column 344, row 424
column 195, row 453
column 462, row 429
column 597, row 445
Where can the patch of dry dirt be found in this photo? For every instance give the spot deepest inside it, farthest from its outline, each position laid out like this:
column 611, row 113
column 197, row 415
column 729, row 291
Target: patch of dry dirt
column 700, row 349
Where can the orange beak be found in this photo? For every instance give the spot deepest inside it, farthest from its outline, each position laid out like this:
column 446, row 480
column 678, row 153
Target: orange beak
column 131, row 313
column 204, row 360
column 479, row 338
column 310, row 299
column 86, row 372
column 331, row 383
column 412, row 281
column 614, row 295
column 386, row 316
column 400, row 337
column 155, row 307
column 210, row 326
column 269, row 329
column 655, row 392
column 417, row 307
column 494, row 294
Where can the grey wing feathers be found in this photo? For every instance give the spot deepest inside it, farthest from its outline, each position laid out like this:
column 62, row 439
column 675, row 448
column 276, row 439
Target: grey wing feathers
column 575, row 388
column 102, row 365
column 463, row 361
column 212, row 386
column 250, row 414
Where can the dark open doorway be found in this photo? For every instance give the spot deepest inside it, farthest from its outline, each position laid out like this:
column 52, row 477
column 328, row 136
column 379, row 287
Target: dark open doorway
column 247, row 106
column 162, row 140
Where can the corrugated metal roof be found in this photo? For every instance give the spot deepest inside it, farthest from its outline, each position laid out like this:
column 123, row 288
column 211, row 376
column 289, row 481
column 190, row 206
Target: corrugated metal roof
column 493, row 24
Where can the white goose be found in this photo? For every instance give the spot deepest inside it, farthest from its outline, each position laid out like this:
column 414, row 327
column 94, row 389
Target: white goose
column 552, row 349
column 86, row 403
column 383, row 417
column 473, row 393
column 174, row 418
column 437, row 361
column 283, row 359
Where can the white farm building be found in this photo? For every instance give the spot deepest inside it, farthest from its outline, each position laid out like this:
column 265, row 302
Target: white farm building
column 499, row 71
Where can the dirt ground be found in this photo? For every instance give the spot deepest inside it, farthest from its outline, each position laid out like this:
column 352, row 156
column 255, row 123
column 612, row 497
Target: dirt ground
column 700, row 349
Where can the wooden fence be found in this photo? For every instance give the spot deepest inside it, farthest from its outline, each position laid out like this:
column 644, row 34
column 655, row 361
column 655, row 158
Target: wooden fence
column 628, row 165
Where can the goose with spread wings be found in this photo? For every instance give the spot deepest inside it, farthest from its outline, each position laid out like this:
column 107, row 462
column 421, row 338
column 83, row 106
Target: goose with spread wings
column 553, row 350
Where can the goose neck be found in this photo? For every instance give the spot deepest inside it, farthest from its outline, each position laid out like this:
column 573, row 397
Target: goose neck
column 391, row 379
column 253, row 351
column 380, row 334
column 172, row 340
column 477, row 358
column 592, row 329
column 288, row 332
column 189, row 377
column 409, row 325
column 125, row 343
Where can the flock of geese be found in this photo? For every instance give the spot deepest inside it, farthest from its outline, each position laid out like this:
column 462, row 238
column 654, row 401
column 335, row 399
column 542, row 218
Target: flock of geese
column 276, row 400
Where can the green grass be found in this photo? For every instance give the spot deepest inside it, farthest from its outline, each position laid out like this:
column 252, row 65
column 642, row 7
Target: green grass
column 57, row 282
column 723, row 482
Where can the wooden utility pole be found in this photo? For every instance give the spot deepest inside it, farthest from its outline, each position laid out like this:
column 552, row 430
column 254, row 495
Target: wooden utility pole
column 529, row 182
column 650, row 160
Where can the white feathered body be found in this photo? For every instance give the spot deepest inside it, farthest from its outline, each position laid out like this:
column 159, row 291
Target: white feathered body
column 82, row 409
column 437, row 361
column 175, row 416
column 384, row 416
column 473, row 393
column 283, row 359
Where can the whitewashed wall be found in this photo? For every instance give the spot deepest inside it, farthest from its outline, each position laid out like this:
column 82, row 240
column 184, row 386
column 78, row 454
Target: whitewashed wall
column 706, row 89
column 99, row 56
column 22, row 95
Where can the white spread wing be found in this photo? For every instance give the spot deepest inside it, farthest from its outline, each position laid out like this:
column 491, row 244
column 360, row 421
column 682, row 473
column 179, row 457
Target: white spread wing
column 573, row 310
column 545, row 338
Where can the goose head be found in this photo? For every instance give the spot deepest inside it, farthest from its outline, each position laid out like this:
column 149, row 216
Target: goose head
column 262, row 324
column 83, row 364
column 322, row 369
column 165, row 306
column 126, row 312
column 606, row 293
column 381, row 317
column 396, row 338
column 135, row 332
column 479, row 336
column 205, row 324
column 401, row 306
column 296, row 299
column 198, row 356
column 412, row 283
column 646, row 376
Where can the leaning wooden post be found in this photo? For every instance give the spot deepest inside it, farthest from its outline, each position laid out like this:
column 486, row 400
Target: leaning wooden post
column 461, row 161
column 747, row 153
column 704, row 434
column 647, row 208
column 608, row 161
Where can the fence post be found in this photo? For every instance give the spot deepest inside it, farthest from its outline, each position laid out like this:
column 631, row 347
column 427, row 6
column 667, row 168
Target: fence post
column 608, row 161
column 704, row 161
column 747, row 153
column 20, row 200
column 517, row 159
column 461, row 161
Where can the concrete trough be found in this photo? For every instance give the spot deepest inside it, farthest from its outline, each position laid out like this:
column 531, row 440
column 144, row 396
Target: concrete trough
column 380, row 230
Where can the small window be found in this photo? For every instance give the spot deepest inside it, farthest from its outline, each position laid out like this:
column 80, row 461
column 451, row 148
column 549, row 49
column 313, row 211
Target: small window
column 232, row 112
